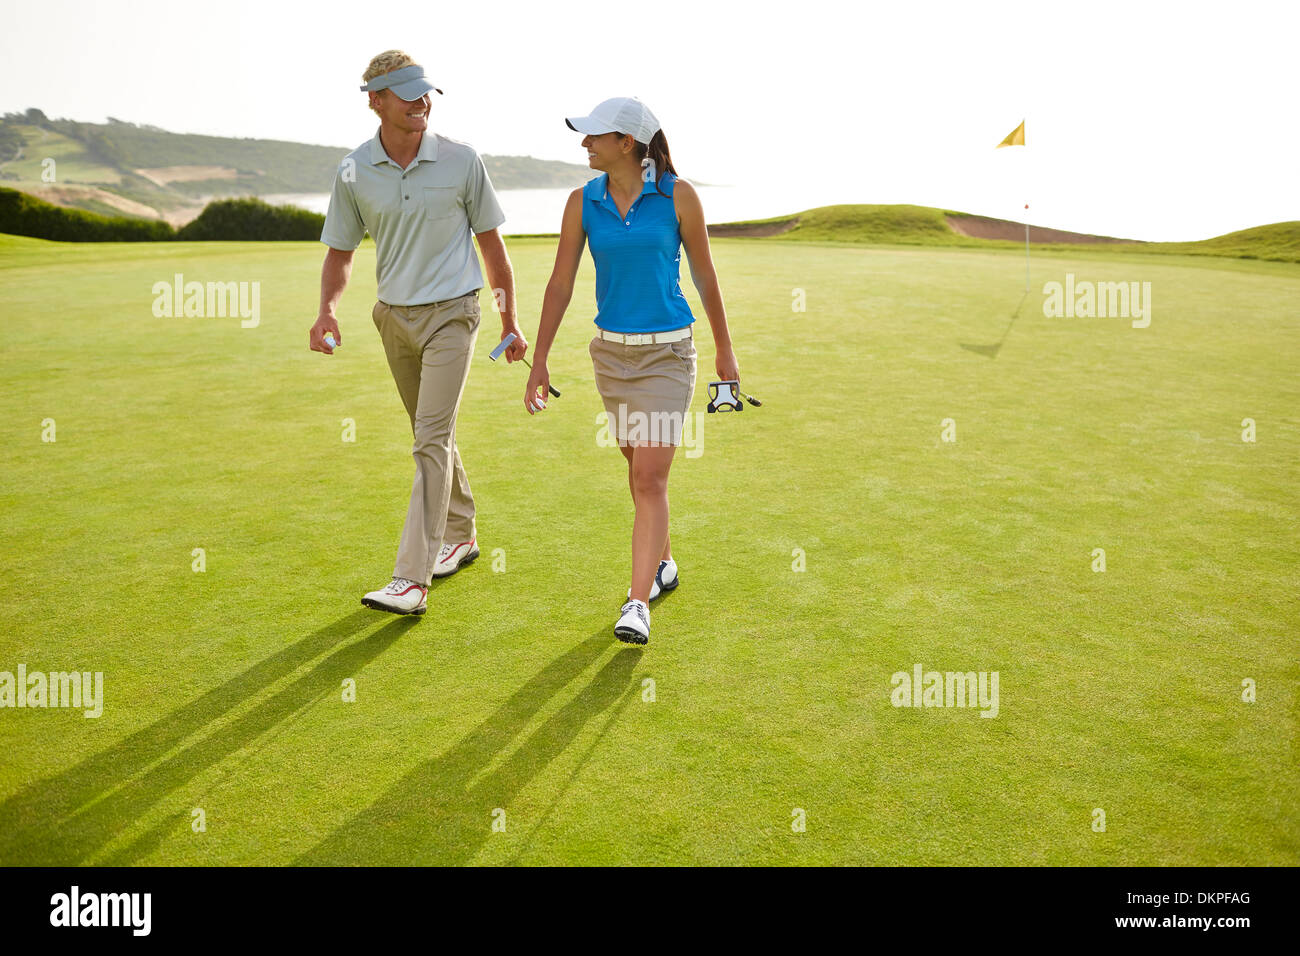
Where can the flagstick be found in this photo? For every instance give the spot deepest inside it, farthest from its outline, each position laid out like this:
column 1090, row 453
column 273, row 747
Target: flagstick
column 1026, row 251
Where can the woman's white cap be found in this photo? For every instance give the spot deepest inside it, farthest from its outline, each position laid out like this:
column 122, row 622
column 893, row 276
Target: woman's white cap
column 622, row 114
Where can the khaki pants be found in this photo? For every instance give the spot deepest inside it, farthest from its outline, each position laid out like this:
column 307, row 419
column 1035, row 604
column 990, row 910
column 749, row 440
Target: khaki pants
column 429, row 348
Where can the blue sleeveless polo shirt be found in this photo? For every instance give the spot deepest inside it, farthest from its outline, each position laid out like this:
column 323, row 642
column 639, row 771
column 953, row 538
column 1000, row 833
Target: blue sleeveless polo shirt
column 638, row 259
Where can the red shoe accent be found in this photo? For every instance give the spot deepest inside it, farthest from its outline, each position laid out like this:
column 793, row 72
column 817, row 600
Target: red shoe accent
column 464, row 544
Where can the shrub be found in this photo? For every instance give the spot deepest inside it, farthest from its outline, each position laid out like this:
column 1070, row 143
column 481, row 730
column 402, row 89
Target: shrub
column 25, row 215
column 252, row 219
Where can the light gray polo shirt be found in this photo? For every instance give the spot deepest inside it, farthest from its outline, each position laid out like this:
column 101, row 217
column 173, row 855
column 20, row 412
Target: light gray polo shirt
column 420, row 217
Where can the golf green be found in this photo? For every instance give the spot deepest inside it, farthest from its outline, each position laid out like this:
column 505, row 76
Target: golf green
column 829, row 542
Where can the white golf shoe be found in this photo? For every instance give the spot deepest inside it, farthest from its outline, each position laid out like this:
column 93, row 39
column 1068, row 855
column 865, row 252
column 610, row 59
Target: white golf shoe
column 666, row 576
column 400, row 597
column 665, row 579
column 452, row 556
column 633, row 625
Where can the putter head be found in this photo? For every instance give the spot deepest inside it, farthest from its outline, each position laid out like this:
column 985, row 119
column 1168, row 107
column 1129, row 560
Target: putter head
column 723, row 397
column 505, row 343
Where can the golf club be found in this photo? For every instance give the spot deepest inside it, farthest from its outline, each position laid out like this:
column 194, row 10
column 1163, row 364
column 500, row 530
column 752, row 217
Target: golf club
column 504, row 345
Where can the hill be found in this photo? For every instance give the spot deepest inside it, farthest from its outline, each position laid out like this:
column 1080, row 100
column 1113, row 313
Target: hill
column 927, row 226
column 124, row 169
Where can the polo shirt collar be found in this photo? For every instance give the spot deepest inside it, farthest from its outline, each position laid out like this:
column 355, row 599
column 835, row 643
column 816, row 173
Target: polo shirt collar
column 428, row 151
column 598, row 189
column 428, row 147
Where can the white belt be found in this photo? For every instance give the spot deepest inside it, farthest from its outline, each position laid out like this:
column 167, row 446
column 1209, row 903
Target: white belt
column 645, row 338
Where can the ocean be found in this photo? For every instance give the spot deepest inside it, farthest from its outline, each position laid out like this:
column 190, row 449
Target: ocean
column 539, row 210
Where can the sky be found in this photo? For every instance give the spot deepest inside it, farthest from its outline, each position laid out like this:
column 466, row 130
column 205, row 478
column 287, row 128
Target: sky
column 1145, row 120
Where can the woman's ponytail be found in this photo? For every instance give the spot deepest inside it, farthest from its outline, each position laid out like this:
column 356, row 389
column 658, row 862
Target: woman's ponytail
column 655, row 160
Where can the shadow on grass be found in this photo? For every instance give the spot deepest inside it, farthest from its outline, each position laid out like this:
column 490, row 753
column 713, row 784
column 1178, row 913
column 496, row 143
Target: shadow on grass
column 991, row 351
column 441, row 812
column 64, row 819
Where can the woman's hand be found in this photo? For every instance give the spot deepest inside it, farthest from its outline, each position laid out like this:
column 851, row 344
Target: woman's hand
column 539, row 386
column 727, row 365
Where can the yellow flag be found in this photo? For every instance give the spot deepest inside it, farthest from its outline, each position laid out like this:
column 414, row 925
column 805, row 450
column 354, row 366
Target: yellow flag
column 1015, row 138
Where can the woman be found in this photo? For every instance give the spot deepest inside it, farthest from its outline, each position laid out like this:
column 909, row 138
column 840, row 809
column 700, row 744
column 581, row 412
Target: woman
column 636, row 218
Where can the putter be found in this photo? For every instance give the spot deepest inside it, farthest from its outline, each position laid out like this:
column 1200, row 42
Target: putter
column 505, row 343
column 722, row 396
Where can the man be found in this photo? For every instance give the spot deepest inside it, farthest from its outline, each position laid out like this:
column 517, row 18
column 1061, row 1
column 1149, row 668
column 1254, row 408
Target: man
column 420, row 195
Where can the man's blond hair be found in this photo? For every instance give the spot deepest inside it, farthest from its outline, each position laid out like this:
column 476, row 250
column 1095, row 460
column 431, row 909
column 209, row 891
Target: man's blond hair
column 386, row 62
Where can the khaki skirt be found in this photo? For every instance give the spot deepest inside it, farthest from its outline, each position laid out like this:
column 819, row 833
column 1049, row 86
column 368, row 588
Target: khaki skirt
column 647, row 389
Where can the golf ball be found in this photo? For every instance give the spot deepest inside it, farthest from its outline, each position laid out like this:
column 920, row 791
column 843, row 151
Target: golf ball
column 329, row 340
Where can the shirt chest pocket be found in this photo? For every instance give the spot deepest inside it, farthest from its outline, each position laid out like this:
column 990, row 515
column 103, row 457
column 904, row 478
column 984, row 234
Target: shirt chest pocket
column 440, row 202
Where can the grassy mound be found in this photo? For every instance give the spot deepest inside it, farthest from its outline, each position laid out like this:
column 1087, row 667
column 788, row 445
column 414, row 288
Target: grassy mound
column 1279, row 242
column 926, row 226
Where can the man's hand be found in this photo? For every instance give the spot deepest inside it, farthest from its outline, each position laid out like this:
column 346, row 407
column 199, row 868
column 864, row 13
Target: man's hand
column 316, row 338
column 519, row 347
